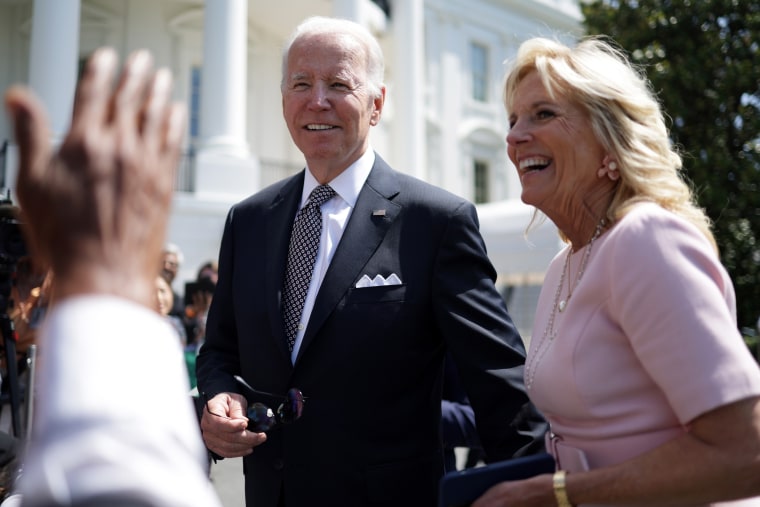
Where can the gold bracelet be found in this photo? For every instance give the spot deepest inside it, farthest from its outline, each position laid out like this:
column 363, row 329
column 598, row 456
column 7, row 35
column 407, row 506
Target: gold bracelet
column 560, row 493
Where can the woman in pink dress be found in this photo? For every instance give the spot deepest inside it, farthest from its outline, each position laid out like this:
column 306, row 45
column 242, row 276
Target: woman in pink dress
column 635, row 359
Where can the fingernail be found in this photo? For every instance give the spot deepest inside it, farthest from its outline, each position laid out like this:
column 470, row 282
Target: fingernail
column 162, row 81
column 140, row 60
column 104, row 58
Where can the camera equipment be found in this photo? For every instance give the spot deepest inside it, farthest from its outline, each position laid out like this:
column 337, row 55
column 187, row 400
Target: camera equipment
column 203, row 284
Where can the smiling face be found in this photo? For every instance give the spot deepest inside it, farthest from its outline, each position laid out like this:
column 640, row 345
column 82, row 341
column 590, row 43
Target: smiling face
column 170, row 265
column 164, row 296
column 555, row 151
column 327, row 103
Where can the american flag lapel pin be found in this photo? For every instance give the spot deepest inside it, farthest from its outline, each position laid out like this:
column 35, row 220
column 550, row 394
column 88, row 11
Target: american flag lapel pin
column 378, row 213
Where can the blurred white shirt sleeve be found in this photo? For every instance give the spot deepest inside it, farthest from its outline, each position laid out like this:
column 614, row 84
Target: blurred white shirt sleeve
column 113, row 414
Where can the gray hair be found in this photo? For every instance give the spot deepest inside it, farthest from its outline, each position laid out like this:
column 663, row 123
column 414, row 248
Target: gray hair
column 317, row 25
column 174, row 249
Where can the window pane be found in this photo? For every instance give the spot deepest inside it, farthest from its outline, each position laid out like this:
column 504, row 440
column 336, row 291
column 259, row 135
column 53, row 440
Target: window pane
column 480, row 174
column 195, row 102
column 479, row 63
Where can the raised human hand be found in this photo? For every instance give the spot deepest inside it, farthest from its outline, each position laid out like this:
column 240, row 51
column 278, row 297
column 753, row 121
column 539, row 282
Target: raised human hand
column 96, row 209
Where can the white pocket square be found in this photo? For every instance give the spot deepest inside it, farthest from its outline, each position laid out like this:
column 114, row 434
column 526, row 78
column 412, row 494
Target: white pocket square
column 378, row 281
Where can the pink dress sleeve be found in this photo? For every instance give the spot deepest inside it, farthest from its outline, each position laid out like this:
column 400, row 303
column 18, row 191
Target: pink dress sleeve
column 675, row 302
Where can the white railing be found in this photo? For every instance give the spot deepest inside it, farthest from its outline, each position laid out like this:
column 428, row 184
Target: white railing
column 184, row 178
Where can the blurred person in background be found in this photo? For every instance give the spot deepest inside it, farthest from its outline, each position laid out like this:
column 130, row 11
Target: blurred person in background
column 171, row 260
column 165, row 302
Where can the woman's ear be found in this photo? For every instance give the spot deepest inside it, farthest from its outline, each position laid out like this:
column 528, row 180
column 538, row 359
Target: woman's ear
column 609, row 168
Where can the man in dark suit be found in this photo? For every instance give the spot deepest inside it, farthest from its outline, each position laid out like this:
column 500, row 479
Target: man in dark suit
column 400, row 278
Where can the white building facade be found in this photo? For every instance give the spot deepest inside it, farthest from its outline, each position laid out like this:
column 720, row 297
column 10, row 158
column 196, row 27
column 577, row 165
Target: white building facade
column 443, row 121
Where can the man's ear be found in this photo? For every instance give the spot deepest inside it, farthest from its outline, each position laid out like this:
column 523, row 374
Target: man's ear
column 377, row 103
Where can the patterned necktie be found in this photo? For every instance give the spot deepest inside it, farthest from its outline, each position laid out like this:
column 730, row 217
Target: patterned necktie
column 304, row 242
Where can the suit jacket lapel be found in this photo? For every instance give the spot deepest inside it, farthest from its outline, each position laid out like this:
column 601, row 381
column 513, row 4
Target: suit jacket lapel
column 364, row 232
column 279, row 222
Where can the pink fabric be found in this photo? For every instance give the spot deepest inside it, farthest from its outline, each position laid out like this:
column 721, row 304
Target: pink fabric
column 647, row 343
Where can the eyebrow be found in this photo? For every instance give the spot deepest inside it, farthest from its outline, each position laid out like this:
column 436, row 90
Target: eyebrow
column 297, row 75
column 540, row 103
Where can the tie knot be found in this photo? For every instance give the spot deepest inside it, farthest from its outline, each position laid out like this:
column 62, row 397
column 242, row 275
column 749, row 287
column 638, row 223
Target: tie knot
column 321, row 195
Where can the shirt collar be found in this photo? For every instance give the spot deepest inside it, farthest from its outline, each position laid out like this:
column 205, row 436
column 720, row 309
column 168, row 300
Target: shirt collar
column 347, row 184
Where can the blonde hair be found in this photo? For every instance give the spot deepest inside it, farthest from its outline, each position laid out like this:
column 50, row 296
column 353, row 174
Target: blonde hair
column 625, row 115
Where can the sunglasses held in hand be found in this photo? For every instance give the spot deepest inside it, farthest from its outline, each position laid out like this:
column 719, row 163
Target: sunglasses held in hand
column 261, row 418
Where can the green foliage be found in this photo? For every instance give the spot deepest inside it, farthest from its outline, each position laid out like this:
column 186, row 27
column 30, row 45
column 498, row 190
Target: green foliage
column 753, row 343
column 703, row 59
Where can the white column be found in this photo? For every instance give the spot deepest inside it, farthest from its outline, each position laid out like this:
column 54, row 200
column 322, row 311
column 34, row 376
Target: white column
column 409, row 91
column 54, row 57
column 347, row 9
column 224, row 168
column 223, row 88
column 364, row 12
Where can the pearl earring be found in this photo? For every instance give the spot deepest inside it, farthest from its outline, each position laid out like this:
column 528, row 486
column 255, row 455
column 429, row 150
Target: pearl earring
column 610, row 169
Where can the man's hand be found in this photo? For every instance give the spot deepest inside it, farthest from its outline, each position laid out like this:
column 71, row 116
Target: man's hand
column 96, row 210
column 224, row 424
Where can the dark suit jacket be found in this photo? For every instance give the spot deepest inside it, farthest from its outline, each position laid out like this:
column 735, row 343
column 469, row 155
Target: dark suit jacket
column 371, row 361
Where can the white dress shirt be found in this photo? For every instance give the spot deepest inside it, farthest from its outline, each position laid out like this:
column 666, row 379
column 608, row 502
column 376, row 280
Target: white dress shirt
column 113, row 411
column 335, row 215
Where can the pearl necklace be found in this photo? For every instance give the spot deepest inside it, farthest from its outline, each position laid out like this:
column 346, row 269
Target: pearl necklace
column 566, row 269
column 560, row 305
